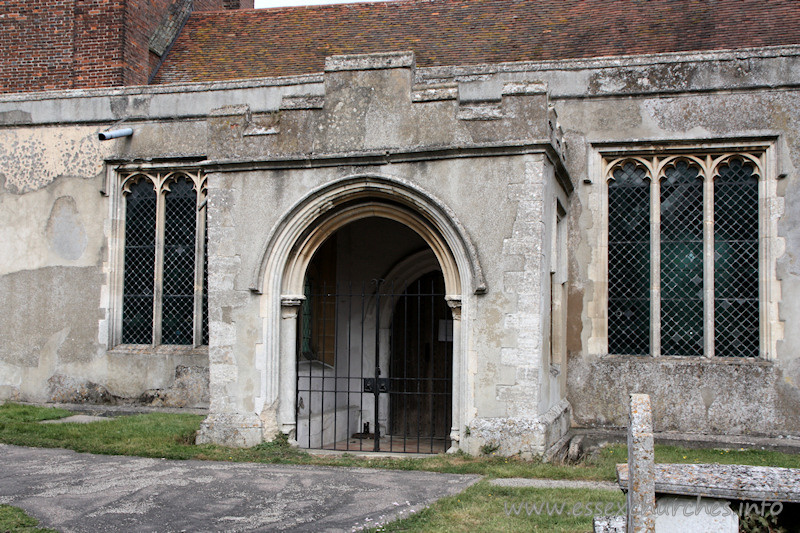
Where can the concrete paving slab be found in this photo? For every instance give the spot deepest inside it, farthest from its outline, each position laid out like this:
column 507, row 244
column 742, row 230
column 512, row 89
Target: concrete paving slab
column 77, row 419
column 537, row 483
column 75, row 492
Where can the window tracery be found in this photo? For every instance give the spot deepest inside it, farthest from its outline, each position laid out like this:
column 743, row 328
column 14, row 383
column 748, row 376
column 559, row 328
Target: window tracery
column 165, row 263
column 683, row 254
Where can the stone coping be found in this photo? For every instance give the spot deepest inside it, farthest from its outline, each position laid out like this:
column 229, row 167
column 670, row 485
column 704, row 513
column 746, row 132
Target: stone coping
column 734, row 482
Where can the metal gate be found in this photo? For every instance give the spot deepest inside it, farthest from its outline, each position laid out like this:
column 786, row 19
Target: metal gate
column 374, row 367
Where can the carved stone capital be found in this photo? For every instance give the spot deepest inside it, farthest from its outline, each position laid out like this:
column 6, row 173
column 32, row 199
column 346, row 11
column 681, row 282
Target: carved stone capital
column 290, row 305
column 455, row 306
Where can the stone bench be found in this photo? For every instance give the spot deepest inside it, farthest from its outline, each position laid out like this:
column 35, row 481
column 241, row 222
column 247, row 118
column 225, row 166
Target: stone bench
column 728, row 482
column 689, row 498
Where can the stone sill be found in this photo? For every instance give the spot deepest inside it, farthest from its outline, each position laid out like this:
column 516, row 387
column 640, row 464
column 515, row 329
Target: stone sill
column 161, row 350
column 686, row 360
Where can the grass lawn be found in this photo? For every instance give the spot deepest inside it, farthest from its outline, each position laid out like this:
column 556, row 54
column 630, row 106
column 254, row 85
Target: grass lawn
column 14, row 519
column 482, row 507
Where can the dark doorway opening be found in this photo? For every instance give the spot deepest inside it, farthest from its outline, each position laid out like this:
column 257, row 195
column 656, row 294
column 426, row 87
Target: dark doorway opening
column 374, row 355
column 421, row 362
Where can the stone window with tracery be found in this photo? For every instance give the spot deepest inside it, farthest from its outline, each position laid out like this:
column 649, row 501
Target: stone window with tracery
column 165, row 263
column 684, row 254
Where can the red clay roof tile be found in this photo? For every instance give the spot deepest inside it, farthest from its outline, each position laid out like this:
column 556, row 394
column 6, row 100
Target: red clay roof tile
column 286, row 41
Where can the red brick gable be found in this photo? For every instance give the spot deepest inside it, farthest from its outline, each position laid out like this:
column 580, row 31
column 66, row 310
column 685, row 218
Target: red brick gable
column 277, row 42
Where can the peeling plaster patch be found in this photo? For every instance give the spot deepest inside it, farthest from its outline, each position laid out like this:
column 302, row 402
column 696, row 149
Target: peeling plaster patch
column 68, row 389
column 601, row 119
column 32, row 159
column 66, row 235
column 45, row 301
column 607, row 83
column 190, row 389
column 708, row 395
column 49, row 352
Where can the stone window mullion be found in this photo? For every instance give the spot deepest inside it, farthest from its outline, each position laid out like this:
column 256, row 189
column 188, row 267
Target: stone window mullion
column 158, row 281
column 708, row 259
column 655, row 266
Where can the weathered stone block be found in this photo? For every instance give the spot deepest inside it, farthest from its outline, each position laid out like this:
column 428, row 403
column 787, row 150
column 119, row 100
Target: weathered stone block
column 641, row 489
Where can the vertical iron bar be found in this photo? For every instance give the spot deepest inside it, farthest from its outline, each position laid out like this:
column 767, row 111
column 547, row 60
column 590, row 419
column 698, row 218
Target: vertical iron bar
column 361, row 365
column 405, row 368
column 308, row 369
column 335, row 373
column 349, row 348
column 419, row 358
column 308, row 366
column 377, row 431
column 432, row 365
column 297, row 352
column 389, row 375
column 322, row 366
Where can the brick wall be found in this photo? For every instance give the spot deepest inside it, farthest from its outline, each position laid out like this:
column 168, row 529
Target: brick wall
column 59, row 44
column 76, row 44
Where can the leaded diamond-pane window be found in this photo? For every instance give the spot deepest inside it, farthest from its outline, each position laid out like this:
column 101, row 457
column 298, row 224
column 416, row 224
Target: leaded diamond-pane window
column 681, row 261
column 736, row 260
column 140, row 250
column 629, row 261
column 165, row 259
column 683, row 255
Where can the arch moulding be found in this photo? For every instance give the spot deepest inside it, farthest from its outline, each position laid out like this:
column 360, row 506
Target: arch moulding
column 310, row 218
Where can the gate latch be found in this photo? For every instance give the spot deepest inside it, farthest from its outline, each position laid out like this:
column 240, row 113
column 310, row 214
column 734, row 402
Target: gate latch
column 369, row 385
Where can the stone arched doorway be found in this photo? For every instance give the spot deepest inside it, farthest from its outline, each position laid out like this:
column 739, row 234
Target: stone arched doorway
column 295, row 241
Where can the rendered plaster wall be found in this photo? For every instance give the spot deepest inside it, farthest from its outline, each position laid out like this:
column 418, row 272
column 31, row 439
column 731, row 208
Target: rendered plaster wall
column 61, row 227
column 55, row 229
column 52, row 257
column 707, row 102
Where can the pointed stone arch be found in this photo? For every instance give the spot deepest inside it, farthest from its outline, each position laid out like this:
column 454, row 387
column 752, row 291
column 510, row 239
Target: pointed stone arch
column 296, row 237
column 325, row 209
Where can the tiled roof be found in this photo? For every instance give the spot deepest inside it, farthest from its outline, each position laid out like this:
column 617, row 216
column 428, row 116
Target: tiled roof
column 278, row 42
